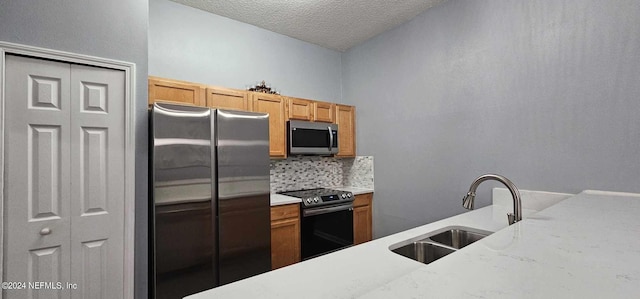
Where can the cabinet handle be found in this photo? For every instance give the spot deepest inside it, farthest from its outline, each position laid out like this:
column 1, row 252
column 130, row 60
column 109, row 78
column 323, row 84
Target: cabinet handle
column 45, row 231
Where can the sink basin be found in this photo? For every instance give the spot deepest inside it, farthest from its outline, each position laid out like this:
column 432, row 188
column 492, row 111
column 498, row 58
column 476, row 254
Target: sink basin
column 457, row 238
column 438, row 244
column 424, row 252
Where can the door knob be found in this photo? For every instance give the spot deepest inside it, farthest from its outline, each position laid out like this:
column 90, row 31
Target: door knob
column 45, row 231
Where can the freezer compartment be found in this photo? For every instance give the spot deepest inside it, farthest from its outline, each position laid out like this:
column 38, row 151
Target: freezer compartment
column 184, row 251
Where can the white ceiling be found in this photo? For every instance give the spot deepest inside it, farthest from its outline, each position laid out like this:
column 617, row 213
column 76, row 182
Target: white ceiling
column 333, row 24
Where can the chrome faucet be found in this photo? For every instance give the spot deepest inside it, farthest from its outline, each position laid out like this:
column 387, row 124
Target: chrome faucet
column 467, row 200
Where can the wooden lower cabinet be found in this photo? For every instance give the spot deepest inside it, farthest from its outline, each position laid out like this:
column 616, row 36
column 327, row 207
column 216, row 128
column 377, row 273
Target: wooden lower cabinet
column 362, row 218
column 285, row 235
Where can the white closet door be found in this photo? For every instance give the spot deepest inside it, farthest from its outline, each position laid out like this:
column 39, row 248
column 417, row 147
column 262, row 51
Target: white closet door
column 97, row 181
column 37, row 190
column 64, row 196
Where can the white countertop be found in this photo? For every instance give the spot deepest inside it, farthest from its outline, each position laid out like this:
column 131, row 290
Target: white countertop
column 584, row 247
column 354, row 190
column 279, row 199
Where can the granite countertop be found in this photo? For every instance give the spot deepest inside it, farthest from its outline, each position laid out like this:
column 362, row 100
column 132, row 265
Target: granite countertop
column 583, row 247
column 279, row 199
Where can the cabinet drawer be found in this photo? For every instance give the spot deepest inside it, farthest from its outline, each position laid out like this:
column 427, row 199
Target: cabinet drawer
column 285, row 211
column 362, row 199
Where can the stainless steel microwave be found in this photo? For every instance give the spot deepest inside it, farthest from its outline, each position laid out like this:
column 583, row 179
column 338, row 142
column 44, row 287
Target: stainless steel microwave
column 311, row 138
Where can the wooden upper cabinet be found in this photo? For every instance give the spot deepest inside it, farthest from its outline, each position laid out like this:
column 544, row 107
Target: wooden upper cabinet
column 279, row 108
column 324, row 112
column 275, row 106
column 225, row 98
column 346, row 120
column 300, row 109
column 168, row 90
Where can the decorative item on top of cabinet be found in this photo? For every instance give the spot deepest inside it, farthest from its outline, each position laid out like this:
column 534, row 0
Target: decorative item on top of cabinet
column 299, row 109
column 226, row 98
column 346, row 120
column 275, row 106
column 263, row 87
column 324, row 112
column 362, row 218
column 285, row 235
column 169, row 90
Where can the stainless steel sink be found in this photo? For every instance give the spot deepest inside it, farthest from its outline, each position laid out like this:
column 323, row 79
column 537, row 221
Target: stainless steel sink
column 457, row 238
column 424, row 252
column 439, row 244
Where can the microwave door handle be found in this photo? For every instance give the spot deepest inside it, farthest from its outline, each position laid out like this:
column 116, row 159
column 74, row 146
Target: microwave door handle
column 330, row 139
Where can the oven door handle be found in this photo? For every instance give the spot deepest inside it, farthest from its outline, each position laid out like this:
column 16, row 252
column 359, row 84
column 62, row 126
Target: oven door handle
column 325, row 210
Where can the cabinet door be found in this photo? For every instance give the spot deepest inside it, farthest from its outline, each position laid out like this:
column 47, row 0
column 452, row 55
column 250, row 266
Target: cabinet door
column 324, row 112
column 299, row 109
column 285, row 242
column 285, row 235
column 346, row 119
column 274, row 105
column 362, row 218
column 167, row 90
column 225, row 98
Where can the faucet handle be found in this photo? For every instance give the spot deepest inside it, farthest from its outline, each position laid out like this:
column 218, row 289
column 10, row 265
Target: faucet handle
column 512, row 218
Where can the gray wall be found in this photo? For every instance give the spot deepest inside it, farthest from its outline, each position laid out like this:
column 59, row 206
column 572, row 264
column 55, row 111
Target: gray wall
column 115, row 29
column 546, row 93
column 192, row 45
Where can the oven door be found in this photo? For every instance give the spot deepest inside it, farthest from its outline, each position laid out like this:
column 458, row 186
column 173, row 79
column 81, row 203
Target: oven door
column 326, row 229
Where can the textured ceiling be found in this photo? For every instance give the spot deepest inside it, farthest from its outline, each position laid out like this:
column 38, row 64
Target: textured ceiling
column 333, row 24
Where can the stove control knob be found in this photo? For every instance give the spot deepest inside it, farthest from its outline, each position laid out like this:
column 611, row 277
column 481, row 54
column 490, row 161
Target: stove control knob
column 349, row 195
column 315, row 200
column 309, row 200
column 344, row 196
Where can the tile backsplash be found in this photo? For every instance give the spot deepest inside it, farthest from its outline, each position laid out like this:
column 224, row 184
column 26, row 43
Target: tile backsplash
column 306, row 172
column 358, row 172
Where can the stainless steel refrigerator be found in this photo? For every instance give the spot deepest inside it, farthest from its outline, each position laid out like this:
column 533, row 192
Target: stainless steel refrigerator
column 209, row 184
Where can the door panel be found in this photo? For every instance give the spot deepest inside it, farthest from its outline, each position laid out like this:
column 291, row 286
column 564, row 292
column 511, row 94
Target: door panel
column 43, row 168
column 97, row 184
column 94, row 268
column 93, row 168
column 37, row 223
column 44, row 266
